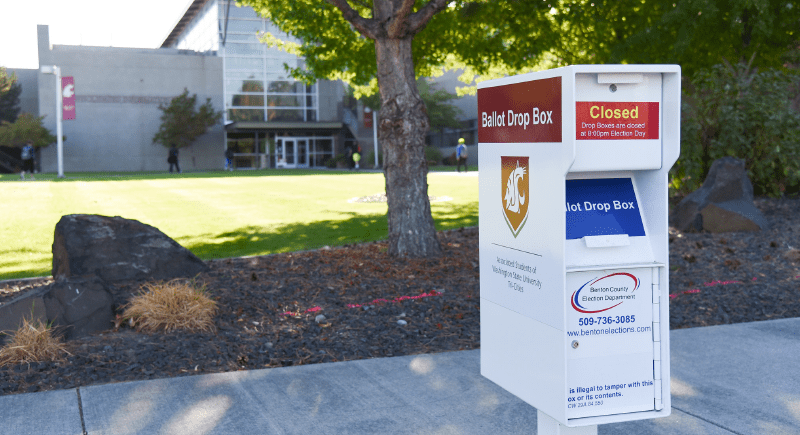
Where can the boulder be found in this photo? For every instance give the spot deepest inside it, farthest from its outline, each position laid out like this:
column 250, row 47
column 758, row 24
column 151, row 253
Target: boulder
column 118, row 249
column 724, row 202
column 77, row 306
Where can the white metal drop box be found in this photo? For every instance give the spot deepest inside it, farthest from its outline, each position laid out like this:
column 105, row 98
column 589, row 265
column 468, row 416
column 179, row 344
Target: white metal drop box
column 574, row 238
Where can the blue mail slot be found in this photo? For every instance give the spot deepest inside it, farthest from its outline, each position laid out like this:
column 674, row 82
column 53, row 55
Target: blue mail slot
column 601, row 207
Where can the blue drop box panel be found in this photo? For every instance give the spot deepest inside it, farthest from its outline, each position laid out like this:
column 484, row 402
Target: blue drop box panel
column 601, row 207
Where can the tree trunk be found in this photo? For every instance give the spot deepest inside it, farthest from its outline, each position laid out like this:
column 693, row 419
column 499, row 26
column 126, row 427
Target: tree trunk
column 403, row 125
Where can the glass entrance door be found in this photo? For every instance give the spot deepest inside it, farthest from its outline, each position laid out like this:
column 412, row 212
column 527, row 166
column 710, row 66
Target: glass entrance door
column 289, row 153
column 302, row 153
column 293, row 152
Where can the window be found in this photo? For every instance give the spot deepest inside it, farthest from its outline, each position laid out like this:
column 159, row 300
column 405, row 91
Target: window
column 257, row 86
column 245, row 115
column 245, row 100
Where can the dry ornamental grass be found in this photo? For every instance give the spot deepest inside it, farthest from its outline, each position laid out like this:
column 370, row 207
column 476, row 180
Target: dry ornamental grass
column 32, row 343
column 170, row 306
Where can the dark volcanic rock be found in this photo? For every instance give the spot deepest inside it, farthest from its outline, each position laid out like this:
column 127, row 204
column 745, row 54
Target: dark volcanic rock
column 724, row 203
column 81, row 305
column 118, row 249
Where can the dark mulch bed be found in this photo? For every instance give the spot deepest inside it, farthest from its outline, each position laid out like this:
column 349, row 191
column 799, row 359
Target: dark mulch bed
column 269, row 305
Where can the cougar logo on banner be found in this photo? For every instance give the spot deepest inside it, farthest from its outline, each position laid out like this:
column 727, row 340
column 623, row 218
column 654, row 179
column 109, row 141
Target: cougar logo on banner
column 515, row 191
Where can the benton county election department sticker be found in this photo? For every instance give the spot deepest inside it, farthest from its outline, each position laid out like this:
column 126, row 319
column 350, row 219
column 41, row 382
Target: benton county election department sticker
column 602, row 294
column 515, row 191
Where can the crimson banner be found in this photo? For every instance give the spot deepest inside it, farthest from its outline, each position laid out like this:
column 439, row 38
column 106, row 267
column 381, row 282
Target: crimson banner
column 68, row 97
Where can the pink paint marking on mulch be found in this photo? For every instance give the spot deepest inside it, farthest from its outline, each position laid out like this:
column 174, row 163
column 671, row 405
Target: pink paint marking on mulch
column 713, row 283
column 397, row 299
column 310, row 310
column 706, row 284
column 373, row 302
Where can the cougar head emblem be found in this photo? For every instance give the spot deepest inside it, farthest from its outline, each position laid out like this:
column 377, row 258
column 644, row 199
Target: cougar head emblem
column 514, row 198
column 515, row 193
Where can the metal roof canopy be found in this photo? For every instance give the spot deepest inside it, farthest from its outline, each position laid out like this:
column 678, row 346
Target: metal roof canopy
column 191, row 12
column 262, row 125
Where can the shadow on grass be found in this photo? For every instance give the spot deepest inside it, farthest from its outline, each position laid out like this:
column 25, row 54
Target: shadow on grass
column 359, row 228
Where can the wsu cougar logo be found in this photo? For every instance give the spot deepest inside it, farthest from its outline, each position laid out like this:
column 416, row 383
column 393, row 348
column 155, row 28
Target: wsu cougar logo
column 515, row 193
column 513, row 197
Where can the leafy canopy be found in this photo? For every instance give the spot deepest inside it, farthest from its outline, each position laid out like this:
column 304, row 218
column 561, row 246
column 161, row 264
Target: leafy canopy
column 489, row 39
column 482, row 35
column 698, row 34
column 10, row 91
column 182, row 123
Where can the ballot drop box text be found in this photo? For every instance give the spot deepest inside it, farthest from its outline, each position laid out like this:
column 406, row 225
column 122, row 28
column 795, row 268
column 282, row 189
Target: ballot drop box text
column 574, row 238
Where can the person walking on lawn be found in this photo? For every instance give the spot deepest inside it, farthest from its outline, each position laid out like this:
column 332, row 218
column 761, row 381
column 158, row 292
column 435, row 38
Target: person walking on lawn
column 229, row 159
column 173, row 159
column 27, row 159
column 461, row 155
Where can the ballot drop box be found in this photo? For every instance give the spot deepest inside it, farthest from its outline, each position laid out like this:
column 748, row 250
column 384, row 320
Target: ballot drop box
column 574, row 238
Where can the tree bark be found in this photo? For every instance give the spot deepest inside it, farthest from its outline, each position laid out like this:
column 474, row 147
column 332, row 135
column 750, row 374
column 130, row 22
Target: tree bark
column 403, row 125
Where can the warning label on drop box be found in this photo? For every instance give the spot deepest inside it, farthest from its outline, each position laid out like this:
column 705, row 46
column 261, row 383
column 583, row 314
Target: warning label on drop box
column 616, row 121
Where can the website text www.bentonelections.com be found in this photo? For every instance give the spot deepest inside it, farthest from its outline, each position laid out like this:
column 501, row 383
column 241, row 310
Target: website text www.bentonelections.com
column 609, row 331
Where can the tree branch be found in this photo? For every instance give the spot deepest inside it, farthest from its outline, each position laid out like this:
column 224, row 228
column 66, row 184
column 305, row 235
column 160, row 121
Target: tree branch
column 399, row 23
column 366, row 27
column 420, row 19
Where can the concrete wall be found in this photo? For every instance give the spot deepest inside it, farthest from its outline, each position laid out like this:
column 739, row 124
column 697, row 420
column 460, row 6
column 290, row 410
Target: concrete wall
column 118, row 91
column 29, row 97
column 331, row 94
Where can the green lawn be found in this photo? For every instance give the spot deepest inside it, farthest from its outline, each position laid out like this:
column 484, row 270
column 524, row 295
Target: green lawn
column 215, row 214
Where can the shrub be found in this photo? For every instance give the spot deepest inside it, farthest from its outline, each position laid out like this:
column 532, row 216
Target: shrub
column 32, row 342
column 451, row 160
column 332, row 162
column 741, row 112
column 169, row 306
column 182, row 123
column 433, row 154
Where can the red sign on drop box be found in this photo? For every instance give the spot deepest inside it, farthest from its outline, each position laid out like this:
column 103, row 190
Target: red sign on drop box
column 616, row 121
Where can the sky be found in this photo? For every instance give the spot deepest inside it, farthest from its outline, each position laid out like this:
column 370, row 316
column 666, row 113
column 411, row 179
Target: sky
column 115, row 23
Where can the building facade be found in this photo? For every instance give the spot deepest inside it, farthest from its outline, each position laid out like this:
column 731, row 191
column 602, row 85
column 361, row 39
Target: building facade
column 269, row 119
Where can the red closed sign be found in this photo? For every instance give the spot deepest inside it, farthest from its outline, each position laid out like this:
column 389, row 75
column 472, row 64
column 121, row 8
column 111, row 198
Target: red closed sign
column 616, row 121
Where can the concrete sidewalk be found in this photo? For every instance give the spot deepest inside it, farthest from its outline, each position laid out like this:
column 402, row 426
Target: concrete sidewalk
column 733, row 379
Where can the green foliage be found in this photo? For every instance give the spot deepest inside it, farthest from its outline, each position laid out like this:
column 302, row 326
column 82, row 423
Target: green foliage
column 441, row 113
column 26, row 127
column 742, row 112
column 332, row 162
column 10, row 90
column 698, row 34
column 433, row 154
column 181, row 123
column 505, row 34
